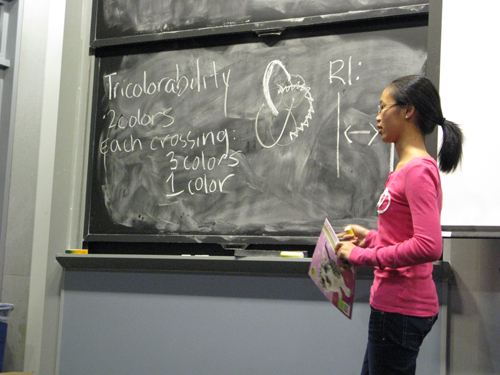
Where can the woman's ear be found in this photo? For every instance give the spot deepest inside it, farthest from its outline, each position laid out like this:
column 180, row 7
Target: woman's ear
column 409, row 111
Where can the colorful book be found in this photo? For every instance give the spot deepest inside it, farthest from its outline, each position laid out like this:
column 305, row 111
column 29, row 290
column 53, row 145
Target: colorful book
column 334, row 277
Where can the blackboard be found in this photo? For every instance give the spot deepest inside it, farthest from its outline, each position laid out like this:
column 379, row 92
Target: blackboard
column 243, row 142
column 132, row 21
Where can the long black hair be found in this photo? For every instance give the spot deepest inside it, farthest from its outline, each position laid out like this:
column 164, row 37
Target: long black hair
column 419, row 92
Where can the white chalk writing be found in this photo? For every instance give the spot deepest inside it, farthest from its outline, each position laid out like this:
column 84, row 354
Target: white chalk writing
column 177, row 85
column 292, row 85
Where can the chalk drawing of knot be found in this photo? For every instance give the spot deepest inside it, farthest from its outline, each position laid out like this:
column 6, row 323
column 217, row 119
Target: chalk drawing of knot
column 287, row 98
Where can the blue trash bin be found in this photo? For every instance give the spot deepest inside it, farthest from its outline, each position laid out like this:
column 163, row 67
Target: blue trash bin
column 5, row 309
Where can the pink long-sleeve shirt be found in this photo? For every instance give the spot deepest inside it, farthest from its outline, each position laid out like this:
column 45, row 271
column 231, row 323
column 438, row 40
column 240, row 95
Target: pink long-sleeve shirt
column 408, row 240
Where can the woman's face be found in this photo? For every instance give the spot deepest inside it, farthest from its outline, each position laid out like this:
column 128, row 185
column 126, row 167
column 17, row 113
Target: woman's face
column 390, row 122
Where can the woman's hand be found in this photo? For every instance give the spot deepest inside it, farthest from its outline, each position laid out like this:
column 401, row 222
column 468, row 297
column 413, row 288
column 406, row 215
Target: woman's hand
column 349, row 241
column 343, row 250
column 359, row 236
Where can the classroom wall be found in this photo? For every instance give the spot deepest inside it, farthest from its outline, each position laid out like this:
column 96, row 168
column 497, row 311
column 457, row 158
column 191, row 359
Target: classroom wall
column 45, row 206
column 468, row 87
column 474, row 337
column 46, row 179
column 8, row 76
column 468, row 82
column 18, row 217
column 124, row 323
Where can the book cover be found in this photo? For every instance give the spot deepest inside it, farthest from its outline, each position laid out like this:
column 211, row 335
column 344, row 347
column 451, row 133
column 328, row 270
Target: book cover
column 334, row 278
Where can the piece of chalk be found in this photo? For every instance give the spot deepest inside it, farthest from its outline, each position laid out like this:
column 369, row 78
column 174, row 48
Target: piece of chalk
column 292, row 254
column 348, row 230
column 76, row 251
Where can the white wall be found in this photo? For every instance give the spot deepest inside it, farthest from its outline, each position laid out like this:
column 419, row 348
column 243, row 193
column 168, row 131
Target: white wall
column 469, row 83
column 469, row 87
column 46, row 182
column 61, row 170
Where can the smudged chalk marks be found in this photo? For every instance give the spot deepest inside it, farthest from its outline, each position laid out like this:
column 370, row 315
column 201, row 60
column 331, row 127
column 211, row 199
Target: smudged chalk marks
column 244, row 139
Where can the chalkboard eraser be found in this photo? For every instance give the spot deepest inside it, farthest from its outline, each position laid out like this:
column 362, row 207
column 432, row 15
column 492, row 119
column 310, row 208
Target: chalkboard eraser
column 292, row 254
column 76, row 251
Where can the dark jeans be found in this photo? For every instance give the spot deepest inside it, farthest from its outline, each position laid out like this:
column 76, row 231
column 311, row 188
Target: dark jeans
column 394, row 342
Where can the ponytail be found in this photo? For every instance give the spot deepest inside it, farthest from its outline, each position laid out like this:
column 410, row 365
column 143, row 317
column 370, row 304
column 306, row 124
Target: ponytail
column 420, row 93
column 450, row 154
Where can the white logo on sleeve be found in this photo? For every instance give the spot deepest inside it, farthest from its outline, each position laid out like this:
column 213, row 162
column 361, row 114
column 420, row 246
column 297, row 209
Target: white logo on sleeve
column 384, row 202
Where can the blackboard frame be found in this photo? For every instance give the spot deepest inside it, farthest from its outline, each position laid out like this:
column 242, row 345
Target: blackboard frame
column 228, row 241
column 272, row 27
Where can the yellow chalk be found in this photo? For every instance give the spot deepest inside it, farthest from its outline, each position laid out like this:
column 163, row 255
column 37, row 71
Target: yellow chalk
column 292, row 254
column 348, row 230
column 77, row 251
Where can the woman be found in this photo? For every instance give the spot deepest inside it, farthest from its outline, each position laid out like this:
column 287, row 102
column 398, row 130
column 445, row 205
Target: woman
column 403, row 300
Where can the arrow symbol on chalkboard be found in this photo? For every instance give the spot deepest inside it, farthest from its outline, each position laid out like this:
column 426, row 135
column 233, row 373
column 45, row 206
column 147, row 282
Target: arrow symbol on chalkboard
column 368, row 131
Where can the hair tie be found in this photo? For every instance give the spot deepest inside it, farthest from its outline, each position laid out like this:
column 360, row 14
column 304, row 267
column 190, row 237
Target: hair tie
column 442, row 122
